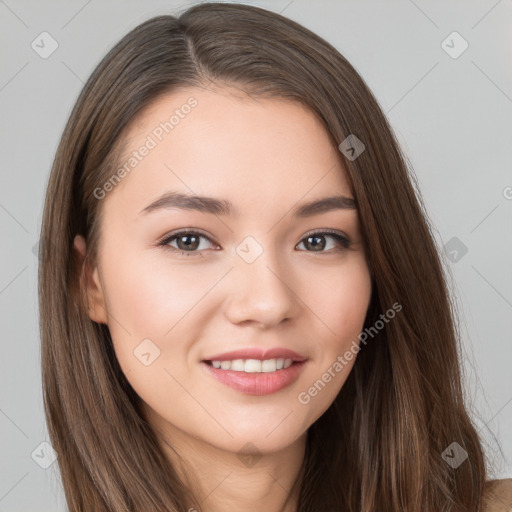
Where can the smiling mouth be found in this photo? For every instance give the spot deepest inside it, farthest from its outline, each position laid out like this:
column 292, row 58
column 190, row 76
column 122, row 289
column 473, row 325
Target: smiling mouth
column 255, row 376
column 253, row 365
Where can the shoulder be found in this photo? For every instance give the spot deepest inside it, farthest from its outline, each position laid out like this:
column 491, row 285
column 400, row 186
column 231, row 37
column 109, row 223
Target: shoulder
column 498, row 496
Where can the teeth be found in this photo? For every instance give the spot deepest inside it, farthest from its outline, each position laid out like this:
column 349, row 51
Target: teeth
column 269, row 365
column 238, row 365
column 253, row 365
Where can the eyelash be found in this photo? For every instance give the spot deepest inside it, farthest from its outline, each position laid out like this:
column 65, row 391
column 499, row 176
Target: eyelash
column 343, row 241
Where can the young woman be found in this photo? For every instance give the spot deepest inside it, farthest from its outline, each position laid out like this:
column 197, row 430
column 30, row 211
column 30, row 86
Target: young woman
column 242, row 306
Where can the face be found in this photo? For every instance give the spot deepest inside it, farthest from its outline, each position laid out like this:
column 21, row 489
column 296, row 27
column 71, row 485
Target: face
column 181, row 284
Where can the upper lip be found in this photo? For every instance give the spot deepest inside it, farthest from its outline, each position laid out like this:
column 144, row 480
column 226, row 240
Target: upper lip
column 257, row 353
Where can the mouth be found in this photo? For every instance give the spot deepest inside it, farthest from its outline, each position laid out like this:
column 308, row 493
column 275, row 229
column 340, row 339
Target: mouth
column 253, row 365
column 254, row 376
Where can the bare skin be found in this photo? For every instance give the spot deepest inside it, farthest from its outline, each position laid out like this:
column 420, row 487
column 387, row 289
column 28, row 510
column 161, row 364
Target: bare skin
column 267, row 157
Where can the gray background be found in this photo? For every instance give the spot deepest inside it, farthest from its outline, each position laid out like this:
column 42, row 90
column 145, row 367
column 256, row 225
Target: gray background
column 452, row 116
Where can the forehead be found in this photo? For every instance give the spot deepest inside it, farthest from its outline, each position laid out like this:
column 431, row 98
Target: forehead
column 225, row 143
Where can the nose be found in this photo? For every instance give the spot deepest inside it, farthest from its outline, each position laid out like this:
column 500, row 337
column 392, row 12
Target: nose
column 261, row 292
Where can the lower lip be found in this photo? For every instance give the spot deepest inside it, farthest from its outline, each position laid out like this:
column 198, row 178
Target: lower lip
column 258, row 383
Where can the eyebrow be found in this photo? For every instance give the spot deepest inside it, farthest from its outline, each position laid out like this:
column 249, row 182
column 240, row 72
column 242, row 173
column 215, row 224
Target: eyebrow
column 177, row 200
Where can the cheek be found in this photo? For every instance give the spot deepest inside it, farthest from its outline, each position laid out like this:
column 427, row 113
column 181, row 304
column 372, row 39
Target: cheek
column 151, row 298
column 150, row 295
column 339, row 299
column 354, row 299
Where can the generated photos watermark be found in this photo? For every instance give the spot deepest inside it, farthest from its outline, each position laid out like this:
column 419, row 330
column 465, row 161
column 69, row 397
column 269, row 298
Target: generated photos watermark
column 152, row 140
column 304, row 397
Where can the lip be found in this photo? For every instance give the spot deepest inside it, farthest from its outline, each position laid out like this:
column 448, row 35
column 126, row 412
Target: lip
column 256, row 383
column 258, row 353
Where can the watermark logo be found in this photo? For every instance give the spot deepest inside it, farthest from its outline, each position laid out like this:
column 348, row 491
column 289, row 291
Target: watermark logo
column 146, row 352
column 44, row 45
column 44, row 455
column 454, row 45
column 455, row 250
column 352, row 147
column 249, row 249
column 454, row 455
column 249, row 455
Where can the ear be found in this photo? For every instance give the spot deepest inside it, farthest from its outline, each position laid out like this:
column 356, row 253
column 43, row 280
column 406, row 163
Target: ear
column 89, row 278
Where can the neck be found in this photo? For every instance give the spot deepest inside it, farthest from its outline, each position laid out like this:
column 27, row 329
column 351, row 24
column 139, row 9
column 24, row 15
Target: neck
column 245, row 480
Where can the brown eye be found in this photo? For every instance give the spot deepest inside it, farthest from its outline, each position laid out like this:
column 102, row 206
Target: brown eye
column 186, row 242
column 316, row 242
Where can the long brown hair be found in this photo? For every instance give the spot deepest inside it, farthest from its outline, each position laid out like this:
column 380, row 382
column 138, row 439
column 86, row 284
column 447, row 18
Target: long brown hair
column 379, row 445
